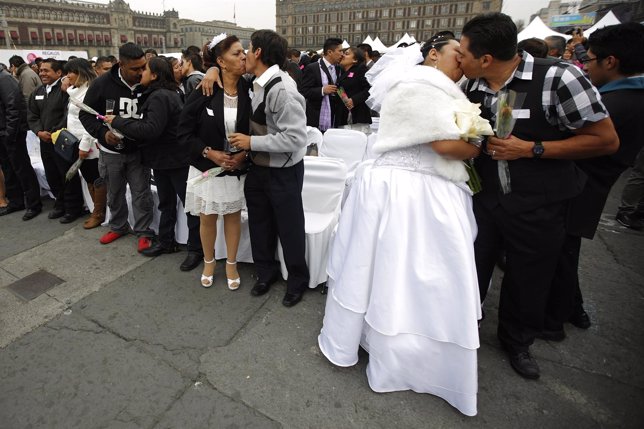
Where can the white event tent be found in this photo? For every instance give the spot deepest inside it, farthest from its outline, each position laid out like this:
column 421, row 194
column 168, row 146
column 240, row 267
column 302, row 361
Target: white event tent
column 540, row 30
column 377, row 45
column 608, row 19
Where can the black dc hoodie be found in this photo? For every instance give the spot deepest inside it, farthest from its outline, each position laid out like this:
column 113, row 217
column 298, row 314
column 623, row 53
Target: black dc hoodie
column 105, row 87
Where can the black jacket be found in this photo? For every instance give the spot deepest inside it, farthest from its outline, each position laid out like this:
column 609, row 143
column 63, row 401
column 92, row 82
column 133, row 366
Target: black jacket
column 13, row 112
column 47, row 112
column 105, row 87
column 311, row 89
column 202, row 123
column 156, row 129
column 357, row 88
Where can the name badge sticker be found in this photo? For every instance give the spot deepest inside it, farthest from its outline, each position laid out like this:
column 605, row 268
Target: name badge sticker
column 40, row 97
column 521, row 113
column 210, row 112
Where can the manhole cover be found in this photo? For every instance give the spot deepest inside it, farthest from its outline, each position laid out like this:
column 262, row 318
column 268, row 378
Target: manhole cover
column 34, row 285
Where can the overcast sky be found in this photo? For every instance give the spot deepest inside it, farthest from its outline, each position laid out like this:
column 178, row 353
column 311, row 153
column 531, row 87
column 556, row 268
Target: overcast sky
column 261, row 13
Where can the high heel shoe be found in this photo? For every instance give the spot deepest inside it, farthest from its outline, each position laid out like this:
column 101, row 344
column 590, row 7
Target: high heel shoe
column 206, row 281
column 233, row 284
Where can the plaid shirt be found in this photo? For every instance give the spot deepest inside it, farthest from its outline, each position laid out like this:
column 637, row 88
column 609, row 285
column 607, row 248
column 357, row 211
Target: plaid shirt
column 569, row 100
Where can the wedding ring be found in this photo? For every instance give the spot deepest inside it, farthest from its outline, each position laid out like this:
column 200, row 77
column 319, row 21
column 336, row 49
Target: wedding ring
column 493, row 152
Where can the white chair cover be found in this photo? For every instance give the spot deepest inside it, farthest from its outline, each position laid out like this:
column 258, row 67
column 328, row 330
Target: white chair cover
column 324, row 181
column 313, row 136
column 369, row 153
column 347, row 145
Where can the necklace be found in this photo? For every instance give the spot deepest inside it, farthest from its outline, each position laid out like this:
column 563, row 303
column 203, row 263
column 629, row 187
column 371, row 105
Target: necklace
column 230, row 94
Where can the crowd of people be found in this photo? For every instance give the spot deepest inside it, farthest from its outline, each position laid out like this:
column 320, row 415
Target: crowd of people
column 224, row 130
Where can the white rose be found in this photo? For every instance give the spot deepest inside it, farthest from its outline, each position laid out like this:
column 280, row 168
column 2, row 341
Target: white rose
column 469, row 121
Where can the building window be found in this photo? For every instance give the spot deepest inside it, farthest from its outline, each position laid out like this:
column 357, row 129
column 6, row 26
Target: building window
column 486, row 5
column 414, row 11
column 400, row 12
column 334, row 28
column 462, row 8
column 444, row 22
column 372, row 13
column 459, row 22
column 398, row 25
column 412, row 24
column 445, row 9
column 385, row 13
column 358, row 27
column 428, row 23
column 359, row 14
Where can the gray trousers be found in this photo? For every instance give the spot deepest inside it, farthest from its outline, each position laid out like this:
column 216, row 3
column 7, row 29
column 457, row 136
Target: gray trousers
column 633, row 193
column 119, row 170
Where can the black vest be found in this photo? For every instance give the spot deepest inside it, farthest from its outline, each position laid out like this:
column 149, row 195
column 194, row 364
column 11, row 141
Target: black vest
column 534, row 182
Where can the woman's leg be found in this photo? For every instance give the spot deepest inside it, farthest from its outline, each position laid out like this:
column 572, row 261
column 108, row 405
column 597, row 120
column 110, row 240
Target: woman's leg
column 208, row 234
column 232, row 232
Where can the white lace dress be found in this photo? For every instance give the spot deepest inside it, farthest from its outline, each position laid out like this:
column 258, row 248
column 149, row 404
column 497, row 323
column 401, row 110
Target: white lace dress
column 217, row 195
column 402, row 280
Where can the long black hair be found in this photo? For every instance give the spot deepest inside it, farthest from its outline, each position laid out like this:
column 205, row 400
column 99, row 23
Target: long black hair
column 165, row 77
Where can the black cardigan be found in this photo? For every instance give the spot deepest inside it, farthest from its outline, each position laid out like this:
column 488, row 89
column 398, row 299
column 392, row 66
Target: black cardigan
column 202, row 123
column 357, row 88
column 156, row 130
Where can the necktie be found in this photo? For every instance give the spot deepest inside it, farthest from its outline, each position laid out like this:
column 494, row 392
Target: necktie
column 332, row 73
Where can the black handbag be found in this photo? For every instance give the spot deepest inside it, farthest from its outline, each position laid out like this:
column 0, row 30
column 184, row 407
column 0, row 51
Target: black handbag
column 66, row 145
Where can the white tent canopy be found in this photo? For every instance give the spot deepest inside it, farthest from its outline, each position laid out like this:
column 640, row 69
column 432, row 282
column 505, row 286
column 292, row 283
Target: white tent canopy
column 368, row 41
column 345, row 44
column 608, row 19
column 404, row 39
column 377, row 45
column 540, row 30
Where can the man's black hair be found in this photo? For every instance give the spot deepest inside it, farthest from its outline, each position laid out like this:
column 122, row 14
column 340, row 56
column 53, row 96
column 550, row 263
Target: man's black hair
column 622, row 41
column 192, row 49
column 16, row 61
column 492, row 33
column 55, row 64
column 534, row 46
column 129, row 51
column 100, row 60
column 330, row 44
column 273, row 47
column 366, row 48
column 151, row 51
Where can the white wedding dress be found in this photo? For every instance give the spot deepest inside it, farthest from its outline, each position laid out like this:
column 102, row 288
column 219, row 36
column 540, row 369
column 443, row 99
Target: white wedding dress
column 402, row 280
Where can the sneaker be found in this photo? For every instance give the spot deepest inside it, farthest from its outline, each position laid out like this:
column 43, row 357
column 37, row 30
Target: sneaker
column 629, row 221
column 110, row 236
column 144, row 243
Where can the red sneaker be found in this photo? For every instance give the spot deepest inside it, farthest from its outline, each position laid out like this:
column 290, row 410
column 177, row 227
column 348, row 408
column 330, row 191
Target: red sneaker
column 144, row 243
column 108, row 237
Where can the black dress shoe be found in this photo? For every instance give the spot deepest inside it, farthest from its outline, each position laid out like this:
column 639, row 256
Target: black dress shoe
column 580, row 318
column 158, row 249
column 68, row 217
column 290, row 299
column 10, row 209
column 522, row 362
column 192, row 261
column 260, row 288
column 552, row 335
column 31, row 213
column 56, row 213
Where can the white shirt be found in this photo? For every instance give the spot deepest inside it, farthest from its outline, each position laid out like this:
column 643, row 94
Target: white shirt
column 49, row 87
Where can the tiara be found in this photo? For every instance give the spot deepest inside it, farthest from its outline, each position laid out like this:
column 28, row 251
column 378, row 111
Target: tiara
column 216, row 40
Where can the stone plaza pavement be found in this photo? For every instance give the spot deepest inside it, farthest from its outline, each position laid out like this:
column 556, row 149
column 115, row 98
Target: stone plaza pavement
column 132, row 342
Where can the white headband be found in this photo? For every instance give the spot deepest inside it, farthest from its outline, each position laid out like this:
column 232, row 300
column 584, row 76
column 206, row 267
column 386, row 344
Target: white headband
column 216, row 40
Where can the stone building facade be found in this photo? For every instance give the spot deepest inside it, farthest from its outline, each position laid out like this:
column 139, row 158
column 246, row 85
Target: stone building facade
column 306, row 23
column 97, row 28
column 197, row 33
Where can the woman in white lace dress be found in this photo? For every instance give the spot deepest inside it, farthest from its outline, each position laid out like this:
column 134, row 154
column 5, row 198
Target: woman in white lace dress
column 402, row 278
column 205, row 123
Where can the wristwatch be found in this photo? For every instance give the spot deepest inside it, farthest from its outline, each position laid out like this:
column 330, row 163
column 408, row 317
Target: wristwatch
column 537, row 149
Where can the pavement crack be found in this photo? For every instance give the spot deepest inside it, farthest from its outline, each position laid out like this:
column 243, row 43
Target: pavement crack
column 173, row 401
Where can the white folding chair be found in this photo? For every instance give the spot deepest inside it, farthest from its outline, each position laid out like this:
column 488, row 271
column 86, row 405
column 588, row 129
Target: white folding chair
column 313, row 140
column 347, row 145
column 321, row 196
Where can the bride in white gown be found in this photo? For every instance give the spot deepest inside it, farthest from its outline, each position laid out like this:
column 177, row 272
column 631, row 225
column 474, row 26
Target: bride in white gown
column 402, row 278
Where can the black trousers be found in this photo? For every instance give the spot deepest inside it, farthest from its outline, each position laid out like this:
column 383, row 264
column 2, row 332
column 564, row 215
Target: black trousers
column 20, row 179
column 533, row 241
column 171, row 183
column 274, row 201
column 566, row 283
column 69, row 195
